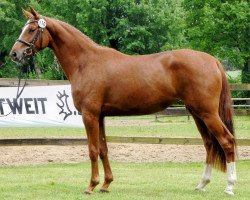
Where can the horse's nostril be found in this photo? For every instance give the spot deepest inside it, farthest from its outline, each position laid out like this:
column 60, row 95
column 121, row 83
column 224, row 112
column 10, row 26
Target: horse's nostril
column 14, row 54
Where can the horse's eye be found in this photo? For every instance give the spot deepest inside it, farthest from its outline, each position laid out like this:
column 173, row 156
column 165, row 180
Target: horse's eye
column 32, row 30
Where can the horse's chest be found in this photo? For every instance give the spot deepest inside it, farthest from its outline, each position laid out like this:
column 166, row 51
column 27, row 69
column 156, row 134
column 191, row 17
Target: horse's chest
column 76, row 100
column 87, row 98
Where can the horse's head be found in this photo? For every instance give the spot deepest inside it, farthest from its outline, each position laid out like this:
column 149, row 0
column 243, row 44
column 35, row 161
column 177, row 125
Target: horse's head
column 33, row 38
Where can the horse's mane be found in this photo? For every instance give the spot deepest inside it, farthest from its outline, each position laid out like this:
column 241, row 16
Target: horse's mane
column 75, row 31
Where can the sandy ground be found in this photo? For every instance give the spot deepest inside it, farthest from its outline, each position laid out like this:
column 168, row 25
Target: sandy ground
column 32, row 155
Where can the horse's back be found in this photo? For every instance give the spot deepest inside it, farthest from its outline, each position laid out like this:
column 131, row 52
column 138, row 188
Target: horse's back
column 129, row 85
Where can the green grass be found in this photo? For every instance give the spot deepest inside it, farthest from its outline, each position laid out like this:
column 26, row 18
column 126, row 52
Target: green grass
column 133, row 181
column 166, row 127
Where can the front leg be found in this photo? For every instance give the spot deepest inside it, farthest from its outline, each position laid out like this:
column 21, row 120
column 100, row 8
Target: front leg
column 104, row 156
column 91, row 122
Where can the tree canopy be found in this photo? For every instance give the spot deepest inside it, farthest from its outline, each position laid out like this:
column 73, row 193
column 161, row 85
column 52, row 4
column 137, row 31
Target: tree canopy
column 218, row 27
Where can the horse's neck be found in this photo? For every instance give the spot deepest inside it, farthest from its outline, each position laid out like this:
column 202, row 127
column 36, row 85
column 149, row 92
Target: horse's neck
column 72, row 48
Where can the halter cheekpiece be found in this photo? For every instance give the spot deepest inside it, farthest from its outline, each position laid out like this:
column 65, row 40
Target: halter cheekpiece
column 41, row 25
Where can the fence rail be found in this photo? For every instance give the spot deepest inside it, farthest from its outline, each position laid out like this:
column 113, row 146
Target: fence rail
column 112, row 139
column 240, row 87
column 10, row 82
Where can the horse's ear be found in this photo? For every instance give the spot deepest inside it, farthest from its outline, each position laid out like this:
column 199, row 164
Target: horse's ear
column 34, row 13
column 27, row 14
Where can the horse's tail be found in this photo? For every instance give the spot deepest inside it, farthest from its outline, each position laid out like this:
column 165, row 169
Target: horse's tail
column 225, row 109
column 226, row 115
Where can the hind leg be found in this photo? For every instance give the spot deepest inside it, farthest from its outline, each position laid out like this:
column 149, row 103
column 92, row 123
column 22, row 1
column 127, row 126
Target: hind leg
column 205, row 179
column 227, row 143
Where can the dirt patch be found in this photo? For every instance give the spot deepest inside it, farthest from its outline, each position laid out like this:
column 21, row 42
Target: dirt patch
column 32, row 155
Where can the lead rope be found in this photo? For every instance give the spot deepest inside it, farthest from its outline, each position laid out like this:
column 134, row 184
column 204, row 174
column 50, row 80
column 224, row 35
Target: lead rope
column 41, row 25
column 19, row 92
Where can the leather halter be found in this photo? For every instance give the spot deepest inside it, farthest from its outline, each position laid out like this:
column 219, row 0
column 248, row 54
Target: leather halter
column 32, row 44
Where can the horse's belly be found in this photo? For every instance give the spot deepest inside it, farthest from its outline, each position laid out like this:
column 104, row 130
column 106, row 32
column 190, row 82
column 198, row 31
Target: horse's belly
column 143, row 109
column 139, row 101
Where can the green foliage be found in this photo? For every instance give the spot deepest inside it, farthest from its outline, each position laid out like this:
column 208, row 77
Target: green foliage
column 8, row 33
column 218, row 27
column 134, row 27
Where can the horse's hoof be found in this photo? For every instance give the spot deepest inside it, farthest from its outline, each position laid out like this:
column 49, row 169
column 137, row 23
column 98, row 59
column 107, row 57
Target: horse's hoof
column 104, row 190
column 200, row 189
column 229, row 192
column 88, row 192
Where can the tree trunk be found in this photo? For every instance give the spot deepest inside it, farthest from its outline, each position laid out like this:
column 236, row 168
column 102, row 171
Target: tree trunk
column 37, row 69
column 246, row 78
column 246, row 72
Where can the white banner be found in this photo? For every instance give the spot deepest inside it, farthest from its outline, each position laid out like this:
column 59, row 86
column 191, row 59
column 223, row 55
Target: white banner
column 38, row 106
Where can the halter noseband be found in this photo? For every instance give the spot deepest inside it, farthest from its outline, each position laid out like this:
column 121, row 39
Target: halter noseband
column 41, row 25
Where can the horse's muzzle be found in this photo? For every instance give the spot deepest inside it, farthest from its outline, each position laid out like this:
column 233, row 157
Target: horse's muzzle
column 19, row 56
column 16, row 56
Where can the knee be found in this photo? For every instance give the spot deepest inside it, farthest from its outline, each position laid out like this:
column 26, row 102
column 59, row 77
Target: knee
column 93, row 154
column 228, row 146
column 103, row 153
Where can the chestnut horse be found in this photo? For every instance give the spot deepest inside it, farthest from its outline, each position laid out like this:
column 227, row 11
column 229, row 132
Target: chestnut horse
column 106, row 82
